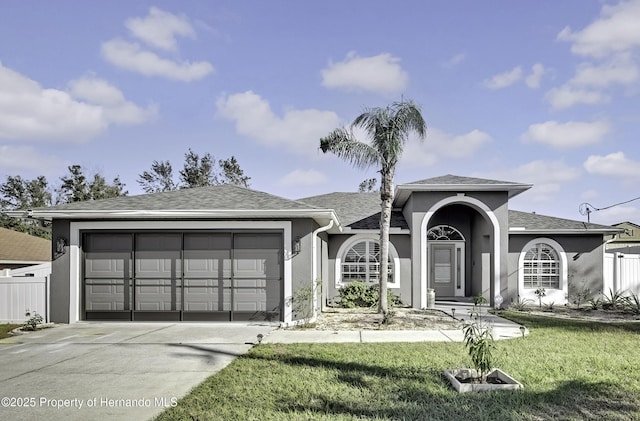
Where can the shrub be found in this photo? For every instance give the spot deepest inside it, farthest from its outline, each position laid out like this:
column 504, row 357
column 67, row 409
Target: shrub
column 34, row 320
column 595, row 303
column 580, row 296
column 616, row 300
column 360, row 294
column 540, row 292
column 633, row 304
column 520, row 304
column 303, row 303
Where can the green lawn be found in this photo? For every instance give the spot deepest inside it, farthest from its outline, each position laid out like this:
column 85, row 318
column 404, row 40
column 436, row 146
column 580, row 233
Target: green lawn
column 6, row 328
column 570, row 370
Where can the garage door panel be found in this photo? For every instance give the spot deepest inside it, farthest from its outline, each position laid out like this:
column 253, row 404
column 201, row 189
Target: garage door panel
column 104, row 294
column 206, row 264
column 250, row 295
column 155, row 264
column 213, row 300
column 160, row 295
column 207, row 295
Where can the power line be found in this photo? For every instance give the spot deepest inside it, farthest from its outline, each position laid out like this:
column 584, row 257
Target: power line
column 586, row 208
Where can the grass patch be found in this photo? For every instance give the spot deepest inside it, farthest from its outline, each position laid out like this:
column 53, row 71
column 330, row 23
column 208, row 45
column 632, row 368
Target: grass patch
column 572, row 370
column 6, row 328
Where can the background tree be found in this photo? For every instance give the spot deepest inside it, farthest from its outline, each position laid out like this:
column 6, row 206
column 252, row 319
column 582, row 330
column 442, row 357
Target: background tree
column 232, row 173
column 100, row 189
column 158, row 179
column 367, row 185
column 17, row 193
column 76, row 188
column 388, row 130
column 198, row 172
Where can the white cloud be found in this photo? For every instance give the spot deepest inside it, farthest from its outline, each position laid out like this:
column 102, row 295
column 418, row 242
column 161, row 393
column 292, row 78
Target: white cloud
column 159, row 28
column 614, row 31
column 505, row 79
column 572, row 134
column 455, row 60
column 439, row 144
column 379, row 74
column 30, row 112
column 611, row 40
column 620, row 71
column 131, row 57
column 567, row 96
column 115, row 107
column 547, row 178
column 613, row 165
column 26, row 159
column 303, row 178
column 297, row 130
column 533, row 80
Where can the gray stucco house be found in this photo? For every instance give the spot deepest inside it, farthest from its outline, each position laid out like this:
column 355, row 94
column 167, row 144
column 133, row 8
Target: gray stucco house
column 230, row 253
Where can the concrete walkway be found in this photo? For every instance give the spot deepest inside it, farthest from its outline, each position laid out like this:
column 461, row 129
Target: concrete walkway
column 502, row 329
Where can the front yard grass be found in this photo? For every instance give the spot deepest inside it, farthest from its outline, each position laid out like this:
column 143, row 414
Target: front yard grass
column 571, row 370
column 6, row 328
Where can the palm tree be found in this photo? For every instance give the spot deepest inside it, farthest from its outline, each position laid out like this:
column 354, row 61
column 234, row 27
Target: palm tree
column 388, row 129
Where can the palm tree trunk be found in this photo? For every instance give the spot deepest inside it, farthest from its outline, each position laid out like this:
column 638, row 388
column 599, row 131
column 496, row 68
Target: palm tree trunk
column 386, row 196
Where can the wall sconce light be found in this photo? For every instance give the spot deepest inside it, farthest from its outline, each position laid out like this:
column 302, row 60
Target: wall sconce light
column 296, row 246
column 61, row 247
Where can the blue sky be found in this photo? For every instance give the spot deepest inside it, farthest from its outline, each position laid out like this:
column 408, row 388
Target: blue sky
column 541, row 92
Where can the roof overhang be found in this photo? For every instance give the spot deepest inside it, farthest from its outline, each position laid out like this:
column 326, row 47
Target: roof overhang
column 321, row 216
column 403, row 191
column 599, row 231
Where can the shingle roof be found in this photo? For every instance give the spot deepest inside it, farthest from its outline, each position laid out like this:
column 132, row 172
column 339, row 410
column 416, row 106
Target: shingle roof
column 450, row 179
column 219, row 197
column 533, row 221
column 356, row 210
column 18, row 246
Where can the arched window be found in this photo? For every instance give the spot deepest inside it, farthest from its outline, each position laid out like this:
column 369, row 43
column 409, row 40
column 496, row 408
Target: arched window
column 541, row 267
column 444, row 233
column 361, row 262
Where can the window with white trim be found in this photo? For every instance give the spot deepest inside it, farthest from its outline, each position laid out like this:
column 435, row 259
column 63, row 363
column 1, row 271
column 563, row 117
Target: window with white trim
column 444, row 233
column 542, row 267
column 362, row 262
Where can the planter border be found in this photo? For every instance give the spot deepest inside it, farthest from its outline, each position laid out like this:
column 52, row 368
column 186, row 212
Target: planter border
column 510, row 382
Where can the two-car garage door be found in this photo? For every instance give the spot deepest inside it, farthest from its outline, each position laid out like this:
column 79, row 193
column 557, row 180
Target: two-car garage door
column 183, row 275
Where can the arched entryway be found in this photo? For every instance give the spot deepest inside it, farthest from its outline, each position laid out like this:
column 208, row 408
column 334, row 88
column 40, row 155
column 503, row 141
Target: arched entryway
column 468, row 264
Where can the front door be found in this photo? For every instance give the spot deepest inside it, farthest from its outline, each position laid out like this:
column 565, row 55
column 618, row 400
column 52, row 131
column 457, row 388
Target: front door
column 443, row 269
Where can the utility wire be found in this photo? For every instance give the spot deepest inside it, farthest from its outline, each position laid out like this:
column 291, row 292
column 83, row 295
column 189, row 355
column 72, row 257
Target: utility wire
column 587, row 208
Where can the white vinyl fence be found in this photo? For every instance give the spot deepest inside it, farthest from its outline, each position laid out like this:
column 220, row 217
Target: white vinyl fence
column 19, row 294
column 622, row 273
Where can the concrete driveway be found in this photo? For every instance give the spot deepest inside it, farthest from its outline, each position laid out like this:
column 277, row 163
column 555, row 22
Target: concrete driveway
column 113, row 371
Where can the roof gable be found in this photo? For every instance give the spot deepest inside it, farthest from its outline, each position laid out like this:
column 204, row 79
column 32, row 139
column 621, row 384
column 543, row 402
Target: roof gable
column 356, row 210
column 456, row 183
